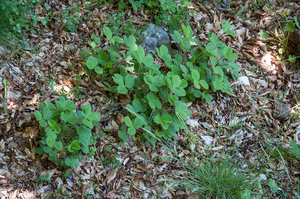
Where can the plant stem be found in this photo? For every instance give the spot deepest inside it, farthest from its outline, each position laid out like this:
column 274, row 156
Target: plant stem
column 5, row 82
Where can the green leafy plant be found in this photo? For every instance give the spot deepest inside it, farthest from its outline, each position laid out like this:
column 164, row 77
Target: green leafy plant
column 159, row 95
column 67, row 132
column 61, row 191
column 77, row 92
column 43, row 178
column 282, row 33
column 296, row 149
column 12, row 20
column 208, row 176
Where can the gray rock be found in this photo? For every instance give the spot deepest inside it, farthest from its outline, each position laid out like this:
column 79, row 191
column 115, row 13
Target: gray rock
column 243, row 80
column 281, row 111
column 154, row 37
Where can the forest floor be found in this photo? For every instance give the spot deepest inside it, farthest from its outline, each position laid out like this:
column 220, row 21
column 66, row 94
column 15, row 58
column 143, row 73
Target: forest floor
column 255, row 123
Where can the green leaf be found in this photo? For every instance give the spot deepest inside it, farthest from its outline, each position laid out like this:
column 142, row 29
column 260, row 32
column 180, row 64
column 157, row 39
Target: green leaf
column 203, row 83
column 157, row 119
column 182, row 110
column 51, row 138
column 84, row 131
column 213, row 38
column 195, row 75
column 123, row 136
column 130, row 108
column 118, row 79
column 72, row 119
column 58, row 145
column 72, row 162
column 43, row 123
column 226, row 28
column 172, row 99
column 148, row 60
column 133, row 47
column 212, row 49
column 88, row 123
column 187, row 3
column 218, row 70
column 74, row 146
column 131, row 131
column 163, row 53
column 128, row 121
column 91, row 62
column 197, row 85
column 180, row 92
column 107, row 32
column 99, row 70
column 157, row 103
column 208, row 98
column 138, row 123
column 97, row 39
column 55, row 126
column 176, row 81
column 86, row 110
column 38, row 115
column 140, row 54
column 245, row 194
column 187, row 31
column 290, row 27
column 40, row 151
column 92, row 44
column 231, row 56
column 263, row 35
column 84, row 53
column 129, row 41
column 178, row 59
column 129, row 81
column 118, row 39
column 49, row 104
column 41, row 106
column 66, row 115
column 137, row 105
column 273, row 185
column 213, row 61
column 121, row 89
column 294, row 145
column 84, row 141
column 47, row 113
column 184, row 69
column 166, row 118
column 153, row 88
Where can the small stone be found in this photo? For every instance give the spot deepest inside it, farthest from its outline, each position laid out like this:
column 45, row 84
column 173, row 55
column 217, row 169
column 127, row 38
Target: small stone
column 243, row 80
column 281, row 111
column 154, row 37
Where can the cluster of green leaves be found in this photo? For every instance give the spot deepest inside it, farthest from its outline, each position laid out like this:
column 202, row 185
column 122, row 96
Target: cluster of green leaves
column 221, row 177
column 166, row 12
column 70, row 20
column 115, row 23
column 12, row 20
column 296, row 149
column 67, row 132
column 61, row 191
column 282, row 36
column 102, row 63
column 159, row 95
column 77, row 92
column 43, row 178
